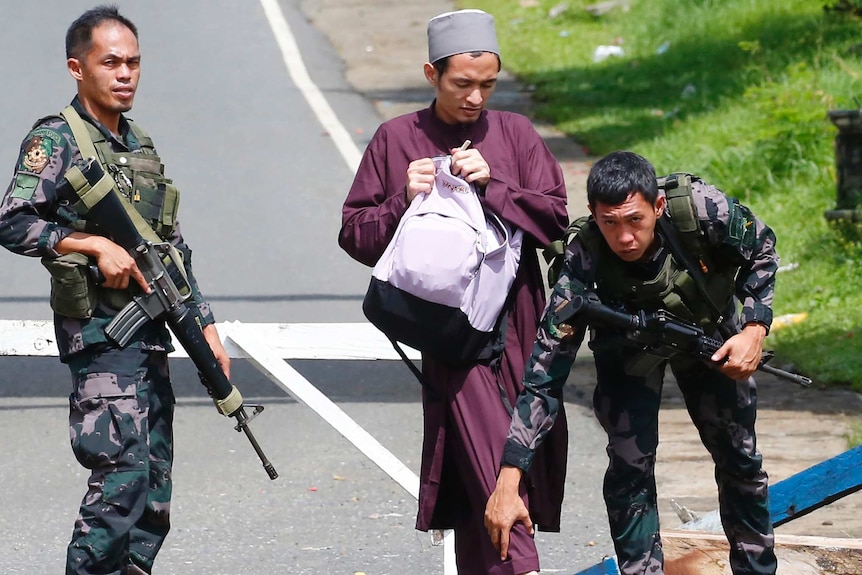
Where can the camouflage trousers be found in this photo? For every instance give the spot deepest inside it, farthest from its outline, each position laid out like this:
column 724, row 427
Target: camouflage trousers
column 120, row 424
column 724, row 412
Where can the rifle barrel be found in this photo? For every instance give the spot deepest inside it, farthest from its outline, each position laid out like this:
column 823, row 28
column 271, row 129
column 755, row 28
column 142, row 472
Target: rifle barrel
column 190, row 336
column 595, row 310
column 242, row 425
column 794, row 377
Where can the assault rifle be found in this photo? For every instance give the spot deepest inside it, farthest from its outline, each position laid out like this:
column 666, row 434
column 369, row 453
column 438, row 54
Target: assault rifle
column 162, row 267
column 661, row 334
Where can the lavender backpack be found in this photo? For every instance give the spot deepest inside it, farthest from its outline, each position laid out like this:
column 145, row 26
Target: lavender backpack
column 442, row 281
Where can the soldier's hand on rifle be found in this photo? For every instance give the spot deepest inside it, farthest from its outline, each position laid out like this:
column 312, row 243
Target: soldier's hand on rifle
column 118, row 267
column 211, row 335
column 740, row 355
column 115, row 263
column 505, row 508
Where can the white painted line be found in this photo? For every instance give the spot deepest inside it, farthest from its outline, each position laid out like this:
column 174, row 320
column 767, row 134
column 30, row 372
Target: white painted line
column 246, row 338
column 283, row 375
column 299, row 74
column 449, row 565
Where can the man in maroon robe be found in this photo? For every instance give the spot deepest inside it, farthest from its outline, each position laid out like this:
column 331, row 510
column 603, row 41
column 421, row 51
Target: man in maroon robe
column 467, row 411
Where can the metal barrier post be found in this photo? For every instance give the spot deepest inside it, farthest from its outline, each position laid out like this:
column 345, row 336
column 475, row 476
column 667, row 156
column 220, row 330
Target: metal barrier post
column 848, row 162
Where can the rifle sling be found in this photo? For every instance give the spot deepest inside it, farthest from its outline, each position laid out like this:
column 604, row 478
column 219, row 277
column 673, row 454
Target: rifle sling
column 670, row 233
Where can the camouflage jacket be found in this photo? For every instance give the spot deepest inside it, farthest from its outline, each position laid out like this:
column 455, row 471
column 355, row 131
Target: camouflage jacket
column 33, row 220
column 555, row 347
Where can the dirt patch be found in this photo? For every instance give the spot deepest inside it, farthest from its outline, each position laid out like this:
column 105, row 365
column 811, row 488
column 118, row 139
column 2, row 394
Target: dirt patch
column 796, row 428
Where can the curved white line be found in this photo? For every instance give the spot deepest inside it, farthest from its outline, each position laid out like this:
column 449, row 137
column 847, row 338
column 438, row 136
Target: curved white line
column 312, row 94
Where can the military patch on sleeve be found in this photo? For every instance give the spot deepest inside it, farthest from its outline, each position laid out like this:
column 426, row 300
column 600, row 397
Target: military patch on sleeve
column 25, row 186
column 37, row 153
column 741, row 227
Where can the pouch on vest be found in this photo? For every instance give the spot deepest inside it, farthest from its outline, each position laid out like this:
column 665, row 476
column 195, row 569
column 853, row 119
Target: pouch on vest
column 443, row 280
column 73, row 290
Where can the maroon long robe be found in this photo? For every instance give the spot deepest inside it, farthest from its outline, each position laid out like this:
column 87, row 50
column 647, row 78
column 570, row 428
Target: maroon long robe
column 466, row 421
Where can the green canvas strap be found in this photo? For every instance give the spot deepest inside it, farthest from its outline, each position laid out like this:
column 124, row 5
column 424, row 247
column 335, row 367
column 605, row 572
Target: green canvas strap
column 684, row 235
column 89, row 195
column 79, row 130
column 680, row 206
column 555, row 252
column 677, row 188
column 694, row 268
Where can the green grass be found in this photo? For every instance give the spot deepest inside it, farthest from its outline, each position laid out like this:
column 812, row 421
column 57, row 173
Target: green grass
column 854, row 437
column 736, row 91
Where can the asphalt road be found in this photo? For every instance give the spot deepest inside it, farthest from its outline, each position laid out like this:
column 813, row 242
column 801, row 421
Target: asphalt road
column 263, row 185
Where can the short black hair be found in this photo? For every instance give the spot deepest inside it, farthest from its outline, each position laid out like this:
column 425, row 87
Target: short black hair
column 619, row 174
column 443, row 63
column 79, row 36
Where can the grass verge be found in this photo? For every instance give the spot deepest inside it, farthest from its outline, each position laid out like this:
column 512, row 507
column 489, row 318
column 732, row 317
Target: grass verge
column 736, row 91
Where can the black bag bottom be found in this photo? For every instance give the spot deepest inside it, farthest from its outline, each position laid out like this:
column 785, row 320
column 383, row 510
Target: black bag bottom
column 439, row 331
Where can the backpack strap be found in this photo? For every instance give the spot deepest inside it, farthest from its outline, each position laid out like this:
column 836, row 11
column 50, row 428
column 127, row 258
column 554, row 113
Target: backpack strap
column 682, row 211
column 681, row 229
column 407, row 361
column 555, row 252
column 694, row 270
column 494, row 364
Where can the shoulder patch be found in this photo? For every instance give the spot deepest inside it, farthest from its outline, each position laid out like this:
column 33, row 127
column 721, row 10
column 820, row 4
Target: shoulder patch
column 37, row 152
column 48, row 133
column 25, row 186
column 741, row 226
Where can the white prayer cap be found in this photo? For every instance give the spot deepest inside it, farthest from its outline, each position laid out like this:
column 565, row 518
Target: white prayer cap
column 460, row 32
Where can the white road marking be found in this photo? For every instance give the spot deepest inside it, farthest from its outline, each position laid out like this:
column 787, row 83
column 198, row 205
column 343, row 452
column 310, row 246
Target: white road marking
column 312, row 94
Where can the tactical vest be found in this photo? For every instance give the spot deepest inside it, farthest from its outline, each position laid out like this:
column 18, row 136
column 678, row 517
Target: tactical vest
column 139, row 177
column 673, row 287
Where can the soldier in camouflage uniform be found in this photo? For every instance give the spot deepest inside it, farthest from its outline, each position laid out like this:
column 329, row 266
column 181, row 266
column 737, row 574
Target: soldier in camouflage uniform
column 122, row 402
column 631, row 255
